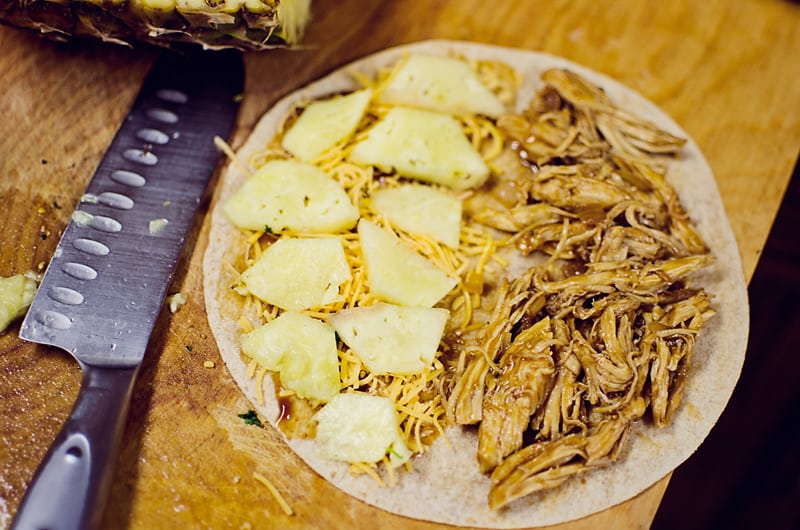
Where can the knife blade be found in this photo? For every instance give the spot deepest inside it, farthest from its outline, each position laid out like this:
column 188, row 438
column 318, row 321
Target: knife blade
column 104, row 288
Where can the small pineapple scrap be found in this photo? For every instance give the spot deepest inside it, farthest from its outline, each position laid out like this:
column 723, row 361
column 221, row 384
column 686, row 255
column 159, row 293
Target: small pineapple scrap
column 155, row 226
column 16, row 294
column 176, row 301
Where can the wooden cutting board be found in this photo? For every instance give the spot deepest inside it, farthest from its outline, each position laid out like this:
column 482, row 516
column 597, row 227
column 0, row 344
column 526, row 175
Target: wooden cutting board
column 727, row 72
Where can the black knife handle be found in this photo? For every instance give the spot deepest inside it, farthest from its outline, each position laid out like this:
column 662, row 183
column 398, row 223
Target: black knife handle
column 70, row 487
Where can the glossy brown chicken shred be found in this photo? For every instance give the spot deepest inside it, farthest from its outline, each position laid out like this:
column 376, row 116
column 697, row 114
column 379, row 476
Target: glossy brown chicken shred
column 600, row 335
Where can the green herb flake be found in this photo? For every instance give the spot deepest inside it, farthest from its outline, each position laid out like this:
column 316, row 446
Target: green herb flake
column 188, row 348
column 268, row 229
column 251, row 418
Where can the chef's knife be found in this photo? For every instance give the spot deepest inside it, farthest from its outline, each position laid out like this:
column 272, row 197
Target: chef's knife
column 106, row 283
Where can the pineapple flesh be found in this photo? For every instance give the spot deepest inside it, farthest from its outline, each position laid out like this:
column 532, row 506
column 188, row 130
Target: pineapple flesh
column 288, row 273
column 16, row 294
column 423, row 145
column 396, row 273
column 212, row 24
column 291, row 196
column 359, row 427
column 441, row 84
column 302, row 349
column 325, row 123
column 392, row 339
column 421, row 210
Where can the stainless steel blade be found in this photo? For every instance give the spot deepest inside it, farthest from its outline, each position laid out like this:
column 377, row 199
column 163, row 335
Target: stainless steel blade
column 105, row 285
column 103, row 290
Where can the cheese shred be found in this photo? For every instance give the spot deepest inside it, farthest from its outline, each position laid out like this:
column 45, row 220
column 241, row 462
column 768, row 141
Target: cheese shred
column 275, row 493
column 362, row 468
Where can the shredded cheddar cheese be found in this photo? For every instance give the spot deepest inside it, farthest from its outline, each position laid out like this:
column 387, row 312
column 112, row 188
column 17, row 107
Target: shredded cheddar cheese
column 262, row 372
column 419, row 398
column 275, row 493
column 362, row 468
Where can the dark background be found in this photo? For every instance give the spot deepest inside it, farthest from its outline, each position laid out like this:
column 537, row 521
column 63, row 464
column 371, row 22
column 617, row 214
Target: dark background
column 746, row 475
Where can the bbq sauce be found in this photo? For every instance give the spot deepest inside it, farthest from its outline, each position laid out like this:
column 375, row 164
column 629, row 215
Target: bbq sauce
column 294, row 414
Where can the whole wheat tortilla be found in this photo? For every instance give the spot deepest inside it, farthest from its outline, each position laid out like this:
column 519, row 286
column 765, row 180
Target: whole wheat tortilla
column 446, row 485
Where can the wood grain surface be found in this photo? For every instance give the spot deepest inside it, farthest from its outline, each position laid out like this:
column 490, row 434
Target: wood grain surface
column 725, row 71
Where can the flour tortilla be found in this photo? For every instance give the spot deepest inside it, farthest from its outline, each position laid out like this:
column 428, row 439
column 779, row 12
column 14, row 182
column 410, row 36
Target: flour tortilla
column 446, row 486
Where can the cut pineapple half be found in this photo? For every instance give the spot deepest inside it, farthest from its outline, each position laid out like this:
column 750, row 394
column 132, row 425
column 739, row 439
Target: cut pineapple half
column 325, row 123
column 288, row 274
column 242, row 24
column 420, row 209
column 425, row 145
column 289, row 195
column 442, row 84
column 302, row 349
column 396, row 273
column 392, row 339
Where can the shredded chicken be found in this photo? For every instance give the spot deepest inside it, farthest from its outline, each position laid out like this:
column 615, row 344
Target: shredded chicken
column 600, row 335
column 514, row 393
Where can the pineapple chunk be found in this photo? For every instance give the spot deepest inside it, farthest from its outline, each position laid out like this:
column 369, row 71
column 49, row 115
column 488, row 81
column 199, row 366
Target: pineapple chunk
column 323, row 124
column 392, row 339
column 16, row 294
column 288, row 274
column 359, row 427
column 420, row 209
column 302, row 349
column 443, row 84
column 294, row 196
column 396, row 273
column 424, row 145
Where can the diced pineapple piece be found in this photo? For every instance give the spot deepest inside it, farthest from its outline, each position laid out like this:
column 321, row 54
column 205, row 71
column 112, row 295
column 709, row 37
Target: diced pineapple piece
column 396, row 273
column 424, row 145
column 392, row 339
column 288, row 273
column 422, row 210
column 294, row 196
column 359, row 427
column 325, row 123
column 302, row 349
column 443, row 84
column 16, row 294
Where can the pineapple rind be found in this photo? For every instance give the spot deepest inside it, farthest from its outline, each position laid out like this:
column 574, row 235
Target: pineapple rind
column 241, row 24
